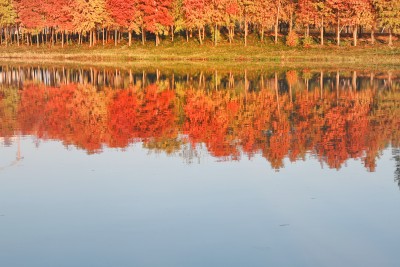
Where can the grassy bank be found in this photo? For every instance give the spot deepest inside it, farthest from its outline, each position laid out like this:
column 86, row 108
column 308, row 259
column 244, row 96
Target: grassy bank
column 222, row 54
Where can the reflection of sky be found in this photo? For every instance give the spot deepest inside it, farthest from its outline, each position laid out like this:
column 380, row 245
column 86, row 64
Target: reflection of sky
column 63, row 207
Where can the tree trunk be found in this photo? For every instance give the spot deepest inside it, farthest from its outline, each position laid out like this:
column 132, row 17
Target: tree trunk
column 143, row 35
column 200, row 38
column 103, row 36
column 338, row 32
column 372, row 36
column 246, row 31
column 157, row 39
column 17, row 36
column 129, row 38
column 6, row 35
column 37, row 39
column 62, row 39
column 94, row 39
column 390, row 37
column 115, row 37
column 215, row 34
column 322, row 31
column 355, row 35
column 262, row 34
column 172, row 33
column 277, row 21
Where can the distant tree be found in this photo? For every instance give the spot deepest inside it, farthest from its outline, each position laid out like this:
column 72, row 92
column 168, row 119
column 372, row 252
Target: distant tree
column 341, row 9
column 388, row 12
column 88, row 16
column 263, row 15
column 123, row 14
column 195, row 16
column 178, row 16
column 157, row 17
column 232, row 15
column 362, row 15
column 8, row 17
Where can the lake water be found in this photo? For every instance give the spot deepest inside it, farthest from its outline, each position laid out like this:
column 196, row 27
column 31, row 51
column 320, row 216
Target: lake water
column 163, row 167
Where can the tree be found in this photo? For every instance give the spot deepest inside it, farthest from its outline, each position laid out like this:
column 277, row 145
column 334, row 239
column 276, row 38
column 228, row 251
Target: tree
column 361, row 15
column 248, row 13
column 88, row 15
column 123, row 13
column 388, row 15
column 342, row 15
column 8, row 17
column 157, row 17
column 195, row 16
column 306, row 14
column 178, row 17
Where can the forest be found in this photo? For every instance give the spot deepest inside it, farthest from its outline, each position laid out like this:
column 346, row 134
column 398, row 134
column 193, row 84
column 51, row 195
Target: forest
column 294, row 22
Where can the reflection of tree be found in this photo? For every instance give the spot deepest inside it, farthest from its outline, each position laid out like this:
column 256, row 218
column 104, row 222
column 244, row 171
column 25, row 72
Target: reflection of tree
column 335, row 125
column 396, row 157
column 8, row 109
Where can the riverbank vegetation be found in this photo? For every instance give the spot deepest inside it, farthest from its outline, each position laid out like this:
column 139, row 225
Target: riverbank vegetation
column 131, row 22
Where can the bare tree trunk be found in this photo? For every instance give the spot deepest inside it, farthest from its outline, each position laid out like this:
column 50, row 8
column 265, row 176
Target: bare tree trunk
column 215, row 35
column 115, row 37
column 355, row 35
column 200, row 38
column 277, row 21
column 338, row 32
column 322, row 31
column 157, row 39
column 246, row 29
column 129, row 38
column 372, row 36
column 390, row 37
column 262, row 33
column 17, row 29
column 6, row 35
column 143, row 35
column 94, row 40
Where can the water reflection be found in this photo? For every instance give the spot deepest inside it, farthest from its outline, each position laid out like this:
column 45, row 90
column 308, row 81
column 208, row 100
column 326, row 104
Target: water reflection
column 332, row 115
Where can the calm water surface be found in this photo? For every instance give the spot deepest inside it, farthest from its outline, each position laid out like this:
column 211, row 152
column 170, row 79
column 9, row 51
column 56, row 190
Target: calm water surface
column 105, row 167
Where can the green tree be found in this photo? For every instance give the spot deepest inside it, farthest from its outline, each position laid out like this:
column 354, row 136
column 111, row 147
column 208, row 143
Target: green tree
column 8, row 17
column 388, row 15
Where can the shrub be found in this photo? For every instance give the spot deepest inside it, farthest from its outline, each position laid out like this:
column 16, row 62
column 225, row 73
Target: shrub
column 307, row 41
column 292, row 39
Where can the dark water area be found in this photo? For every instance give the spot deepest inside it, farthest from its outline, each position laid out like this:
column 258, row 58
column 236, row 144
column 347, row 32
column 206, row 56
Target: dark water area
column 164, row 167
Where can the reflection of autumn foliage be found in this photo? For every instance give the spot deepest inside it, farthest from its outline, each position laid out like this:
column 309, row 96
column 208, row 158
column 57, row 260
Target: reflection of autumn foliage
column 74, row 114
column 208, row 120
column 334, row 126
column 8, row 109
column 141, row 115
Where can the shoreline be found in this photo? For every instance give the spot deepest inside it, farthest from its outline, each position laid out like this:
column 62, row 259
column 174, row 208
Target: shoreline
column 225, row 55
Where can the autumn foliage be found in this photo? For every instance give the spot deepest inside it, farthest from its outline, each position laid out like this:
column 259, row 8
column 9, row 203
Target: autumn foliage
column 83, row 21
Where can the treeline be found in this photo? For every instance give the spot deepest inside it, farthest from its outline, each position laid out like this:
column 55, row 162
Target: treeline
column 93, row 21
